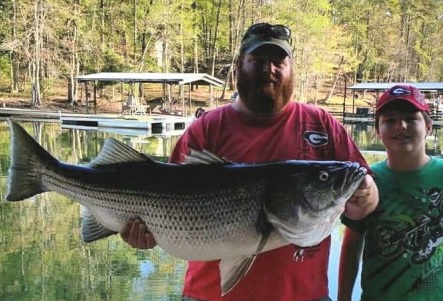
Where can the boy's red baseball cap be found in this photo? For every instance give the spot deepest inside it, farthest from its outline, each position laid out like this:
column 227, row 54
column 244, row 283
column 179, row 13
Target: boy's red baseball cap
column 406, row 93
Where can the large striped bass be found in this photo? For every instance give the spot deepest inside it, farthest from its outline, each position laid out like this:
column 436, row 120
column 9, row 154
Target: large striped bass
column 205, row 210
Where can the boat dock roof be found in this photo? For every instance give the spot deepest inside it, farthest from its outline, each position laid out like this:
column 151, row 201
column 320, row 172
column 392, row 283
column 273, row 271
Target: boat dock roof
column 435, row 86
column 148, row 77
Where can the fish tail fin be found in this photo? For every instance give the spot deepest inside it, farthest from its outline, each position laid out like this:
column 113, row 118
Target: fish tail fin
column 24, row 176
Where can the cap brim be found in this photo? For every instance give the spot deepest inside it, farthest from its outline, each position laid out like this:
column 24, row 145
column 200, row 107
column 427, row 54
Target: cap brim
column 402, row 99
column 276, row 42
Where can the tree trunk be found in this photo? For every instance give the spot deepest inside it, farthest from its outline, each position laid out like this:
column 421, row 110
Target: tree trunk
column 134, row 14
column 36, row 55
column 72, row 95
column 230, row 76
column 14, row 55
column 336, row 77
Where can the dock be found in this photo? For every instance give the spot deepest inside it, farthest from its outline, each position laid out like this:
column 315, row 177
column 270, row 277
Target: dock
column 154, row 123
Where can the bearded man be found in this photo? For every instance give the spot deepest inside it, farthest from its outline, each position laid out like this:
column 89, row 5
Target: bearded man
column 263, row 125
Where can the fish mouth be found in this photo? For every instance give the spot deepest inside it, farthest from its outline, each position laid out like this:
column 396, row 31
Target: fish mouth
column 360, row 173
column 353, row 176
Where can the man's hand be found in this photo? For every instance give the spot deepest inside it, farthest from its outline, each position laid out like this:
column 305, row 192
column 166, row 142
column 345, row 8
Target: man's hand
column 363, row 201
column 136, row 234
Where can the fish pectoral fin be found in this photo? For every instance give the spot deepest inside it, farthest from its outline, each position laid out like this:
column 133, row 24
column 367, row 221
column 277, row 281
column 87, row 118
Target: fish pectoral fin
column 92, row 230
column 114, row 151
column 263, row 241
column 232, row 270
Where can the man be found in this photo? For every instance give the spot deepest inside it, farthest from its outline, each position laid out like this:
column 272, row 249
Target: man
column 262, row 125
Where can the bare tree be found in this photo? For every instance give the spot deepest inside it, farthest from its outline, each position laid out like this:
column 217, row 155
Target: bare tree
column 74, row 63
column 13, row 54
column 35, row 58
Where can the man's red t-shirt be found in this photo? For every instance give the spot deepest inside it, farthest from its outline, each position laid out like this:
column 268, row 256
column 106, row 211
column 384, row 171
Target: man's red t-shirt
column 300, row 132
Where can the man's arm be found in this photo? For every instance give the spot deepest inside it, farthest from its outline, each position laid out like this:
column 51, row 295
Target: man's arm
column 351, row 250
column 363, row 201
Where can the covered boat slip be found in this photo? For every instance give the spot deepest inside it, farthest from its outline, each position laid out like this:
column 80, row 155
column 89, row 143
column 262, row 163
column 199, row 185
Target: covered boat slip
column 132, row 104
column 433, row 93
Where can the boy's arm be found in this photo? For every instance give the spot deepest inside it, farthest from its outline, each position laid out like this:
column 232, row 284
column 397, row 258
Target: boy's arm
column 351, row 251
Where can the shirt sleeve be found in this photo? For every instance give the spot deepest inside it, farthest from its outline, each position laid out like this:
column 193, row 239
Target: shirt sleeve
column 192, row 138
column 358, row 226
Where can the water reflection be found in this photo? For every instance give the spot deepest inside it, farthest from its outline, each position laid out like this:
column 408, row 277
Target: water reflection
column 43, row 258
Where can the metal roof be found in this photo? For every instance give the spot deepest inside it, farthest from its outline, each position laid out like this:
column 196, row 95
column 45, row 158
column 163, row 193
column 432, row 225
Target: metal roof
column 135, row 77
column 384, row 86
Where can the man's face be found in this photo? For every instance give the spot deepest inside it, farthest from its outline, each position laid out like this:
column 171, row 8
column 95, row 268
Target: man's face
column 265, row 79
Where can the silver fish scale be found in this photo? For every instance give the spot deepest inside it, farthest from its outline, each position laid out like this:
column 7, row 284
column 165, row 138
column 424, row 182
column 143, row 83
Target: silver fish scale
column 192, row 218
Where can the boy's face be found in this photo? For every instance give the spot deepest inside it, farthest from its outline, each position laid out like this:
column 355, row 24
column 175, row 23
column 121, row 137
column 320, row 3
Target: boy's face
column 403, row 130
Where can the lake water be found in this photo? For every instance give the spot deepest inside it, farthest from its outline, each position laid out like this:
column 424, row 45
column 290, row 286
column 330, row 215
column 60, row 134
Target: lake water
column 43, row 258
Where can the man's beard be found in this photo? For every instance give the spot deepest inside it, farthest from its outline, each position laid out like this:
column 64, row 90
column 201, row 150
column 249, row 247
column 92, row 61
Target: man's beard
column 260, row 96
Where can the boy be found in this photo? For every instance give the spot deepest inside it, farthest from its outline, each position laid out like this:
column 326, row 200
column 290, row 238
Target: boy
column 403, row 251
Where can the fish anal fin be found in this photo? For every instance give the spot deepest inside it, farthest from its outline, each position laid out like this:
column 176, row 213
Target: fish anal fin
column 114, row 151
column 92, row 230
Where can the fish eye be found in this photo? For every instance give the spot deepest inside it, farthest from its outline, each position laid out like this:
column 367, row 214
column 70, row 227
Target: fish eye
column 323, row 176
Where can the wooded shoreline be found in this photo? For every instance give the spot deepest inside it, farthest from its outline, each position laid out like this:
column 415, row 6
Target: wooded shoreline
column 44, row 45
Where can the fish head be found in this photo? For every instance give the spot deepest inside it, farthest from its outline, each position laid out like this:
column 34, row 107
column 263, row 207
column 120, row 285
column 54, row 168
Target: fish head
column 314, row 186
column 311, row 195
column 329, row 184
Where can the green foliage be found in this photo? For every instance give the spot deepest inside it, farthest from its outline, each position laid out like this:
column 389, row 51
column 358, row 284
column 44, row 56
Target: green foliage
column 4, row 71
column 113, row 62
column 388, row 40
column 394, row 40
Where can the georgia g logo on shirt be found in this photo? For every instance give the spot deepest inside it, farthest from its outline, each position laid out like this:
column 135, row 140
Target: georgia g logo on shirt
column 316, row 139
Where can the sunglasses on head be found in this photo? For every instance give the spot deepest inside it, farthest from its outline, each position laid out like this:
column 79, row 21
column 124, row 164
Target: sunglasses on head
column 268, row 30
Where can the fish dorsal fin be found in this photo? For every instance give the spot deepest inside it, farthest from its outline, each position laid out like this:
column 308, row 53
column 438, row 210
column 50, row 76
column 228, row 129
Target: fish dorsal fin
column 232, row 270
column 92, row 230
column 114, row 151
column 203, row 157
